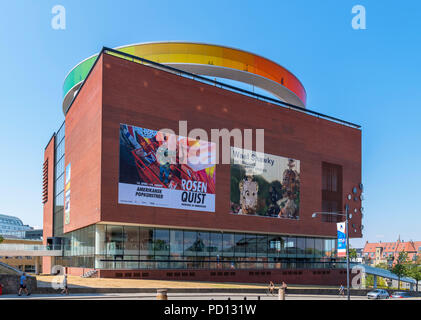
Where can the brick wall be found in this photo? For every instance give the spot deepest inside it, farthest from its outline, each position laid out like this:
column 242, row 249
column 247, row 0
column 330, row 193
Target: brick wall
column 120, row 91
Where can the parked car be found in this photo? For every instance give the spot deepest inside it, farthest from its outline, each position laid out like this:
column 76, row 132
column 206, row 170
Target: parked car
column 378, row 294
column 400, row 294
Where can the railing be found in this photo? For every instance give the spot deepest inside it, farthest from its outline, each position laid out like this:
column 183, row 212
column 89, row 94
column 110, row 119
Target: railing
column 18, row 234
column 196, row 77
column 28, row 247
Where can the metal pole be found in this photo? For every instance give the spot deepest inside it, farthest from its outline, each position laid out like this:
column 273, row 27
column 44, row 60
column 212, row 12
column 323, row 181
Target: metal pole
column 347, row 251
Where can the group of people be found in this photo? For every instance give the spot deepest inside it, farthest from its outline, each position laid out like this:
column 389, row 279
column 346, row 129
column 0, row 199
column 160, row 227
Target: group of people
column 23, row 285
column 272, row 287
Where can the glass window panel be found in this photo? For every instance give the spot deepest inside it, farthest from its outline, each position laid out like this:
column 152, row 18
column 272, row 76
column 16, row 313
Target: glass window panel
column 202, row 262
column 190, row 243
column 277, row 246
column 240, row 244
column 176, row 241
column 203, row 244
column 60, row 134
column 131, row 240
column 59, row 170
column 162, row 242
column 310, row 243
column 162, row 262
column 177, row 262
column 146, row 241
column 319, row 247
column 228, row 262
column 59, row 200
column 228, row 244
column 131, row 264
column 100, row 247
column 301, row 246
column 216, row 245
column 147, row 262
column 291, row 246
column 251, row 245
column 261, row 245
column 59, row 184
column 114, row 240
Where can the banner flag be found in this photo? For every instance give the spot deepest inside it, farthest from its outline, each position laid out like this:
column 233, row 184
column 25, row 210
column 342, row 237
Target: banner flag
column 341, row 227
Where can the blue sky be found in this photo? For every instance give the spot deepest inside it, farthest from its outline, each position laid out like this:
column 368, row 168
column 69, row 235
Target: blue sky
column 370, row 77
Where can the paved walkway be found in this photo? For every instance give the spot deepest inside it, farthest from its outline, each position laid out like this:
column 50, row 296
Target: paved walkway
column 179, row 296
column 171, row 296
column 76, row 281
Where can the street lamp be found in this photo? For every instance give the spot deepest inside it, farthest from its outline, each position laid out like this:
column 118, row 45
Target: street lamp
column 347, row 217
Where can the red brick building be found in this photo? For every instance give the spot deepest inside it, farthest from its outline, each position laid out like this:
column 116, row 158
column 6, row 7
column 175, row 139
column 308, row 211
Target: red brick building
column 84, row 165
column 385, row 252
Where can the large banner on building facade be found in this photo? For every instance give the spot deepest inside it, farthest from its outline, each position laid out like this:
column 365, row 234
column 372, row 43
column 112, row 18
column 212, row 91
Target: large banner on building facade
column 67, row 195
column 159, row 169
column 264, row 184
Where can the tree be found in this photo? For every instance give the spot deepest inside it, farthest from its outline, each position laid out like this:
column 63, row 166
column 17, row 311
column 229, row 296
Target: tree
column 383, row 265
column 352, row 254
column 1, row 239
column 414, row 271
column 401, row 266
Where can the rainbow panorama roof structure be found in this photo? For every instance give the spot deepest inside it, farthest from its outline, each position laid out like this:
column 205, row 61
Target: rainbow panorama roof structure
column 205, row 60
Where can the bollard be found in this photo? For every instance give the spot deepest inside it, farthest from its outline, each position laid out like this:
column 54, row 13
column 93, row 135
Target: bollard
column 258, row 297
column 281, row 294
column 162, row 294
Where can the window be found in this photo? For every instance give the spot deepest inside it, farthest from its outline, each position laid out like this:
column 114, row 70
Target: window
column 162, row 242
column 176, row 240
column 276, row 246
column 202, row 243
column 240, row 244
column 291, row 246
column 228, row 243
column 301, row 247
column 114, row 240
column 190, row 243
column 146, row 240
column 331, row 191
column 330, row 177
column 261, row 245
column 131, row 240
column 216, row 246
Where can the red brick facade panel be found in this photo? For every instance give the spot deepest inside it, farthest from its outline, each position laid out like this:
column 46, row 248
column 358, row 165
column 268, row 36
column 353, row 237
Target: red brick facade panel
column 83, row 152
column 143, row 96
column 328, row 277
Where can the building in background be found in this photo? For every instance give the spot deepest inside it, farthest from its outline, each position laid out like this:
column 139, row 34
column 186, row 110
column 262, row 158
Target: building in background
column 387, row 252
column 118, row 206
column 35, row 234
column 12, row 227
column 24, row 263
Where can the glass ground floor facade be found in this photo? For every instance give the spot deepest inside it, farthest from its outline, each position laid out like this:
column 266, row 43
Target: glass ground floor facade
column 116, row 247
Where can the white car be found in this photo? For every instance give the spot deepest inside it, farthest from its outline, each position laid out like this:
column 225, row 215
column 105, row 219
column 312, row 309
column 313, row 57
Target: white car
column 378, row 294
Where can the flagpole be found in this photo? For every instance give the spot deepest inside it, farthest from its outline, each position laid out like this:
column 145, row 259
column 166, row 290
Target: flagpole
column 347, row 251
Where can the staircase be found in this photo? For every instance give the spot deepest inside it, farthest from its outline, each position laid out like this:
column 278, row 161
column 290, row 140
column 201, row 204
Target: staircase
column 89, row 274
column 6, row 269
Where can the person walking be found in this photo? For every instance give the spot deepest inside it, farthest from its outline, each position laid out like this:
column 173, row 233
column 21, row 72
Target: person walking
column 284, row 287
column 271, row 288
column 342, row 290
column 64, row 284
column 22, row 285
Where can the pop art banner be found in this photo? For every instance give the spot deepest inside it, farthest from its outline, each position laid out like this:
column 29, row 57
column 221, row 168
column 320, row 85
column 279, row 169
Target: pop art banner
column 159, row 169
column 341, row 239
column 264, row 184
